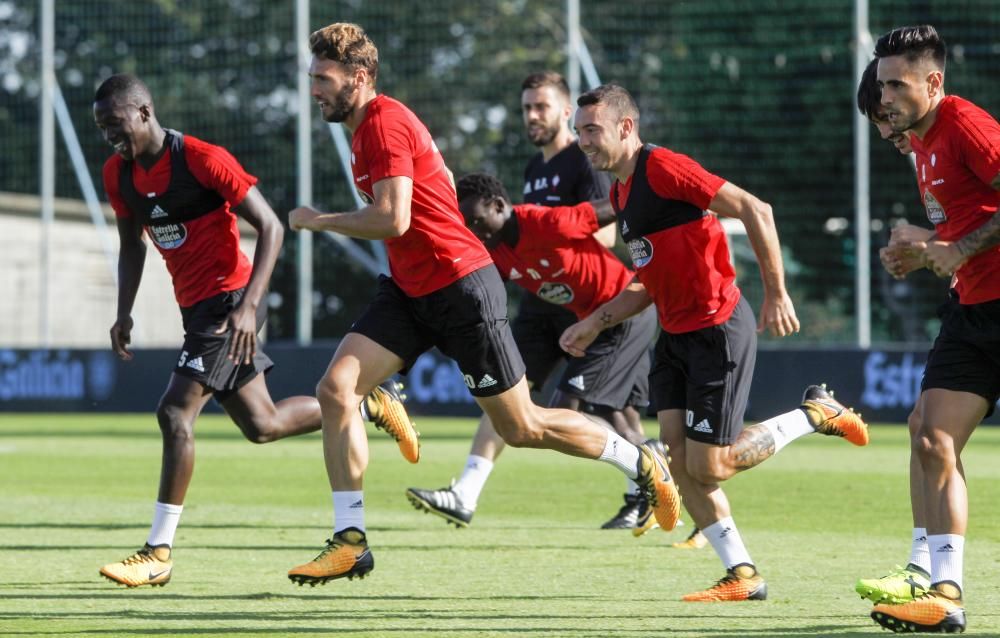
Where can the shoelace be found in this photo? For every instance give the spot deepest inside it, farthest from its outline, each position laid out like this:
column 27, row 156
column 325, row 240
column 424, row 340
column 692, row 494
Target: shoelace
column 141, row 556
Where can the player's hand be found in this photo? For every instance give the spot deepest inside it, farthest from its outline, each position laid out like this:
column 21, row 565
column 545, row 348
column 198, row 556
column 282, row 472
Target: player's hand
column 242, row 321
column 777, row 316
column 121, row 337
column 901, row 259
column 578, row 337
column 942, row 257
column 301, row 217
column 909, row 234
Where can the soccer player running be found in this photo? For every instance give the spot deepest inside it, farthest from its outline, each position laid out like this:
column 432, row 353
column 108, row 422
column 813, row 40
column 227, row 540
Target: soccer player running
column 704, row 358
column 558, row 175
column 443, row 291
column 554, row 255
column 898, row 259
column 185, row 194
column 957, row 149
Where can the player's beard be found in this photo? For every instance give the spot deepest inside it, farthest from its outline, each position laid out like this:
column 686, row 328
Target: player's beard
column 340, row 107
column 545, row 135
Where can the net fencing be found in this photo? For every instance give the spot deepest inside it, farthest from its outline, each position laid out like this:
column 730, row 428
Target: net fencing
column 760, row 93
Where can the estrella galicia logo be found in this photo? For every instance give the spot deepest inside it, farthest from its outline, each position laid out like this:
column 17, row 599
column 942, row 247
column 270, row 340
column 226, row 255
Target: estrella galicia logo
column 935, row 211
column 641, row 251
column 556, row 292
column 168, row 236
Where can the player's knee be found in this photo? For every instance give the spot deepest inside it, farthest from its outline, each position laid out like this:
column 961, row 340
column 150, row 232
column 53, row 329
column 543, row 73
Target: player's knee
column 708, row 472
column 174, row 421
column 933, row 448
column 337, row 390
column 259, row 431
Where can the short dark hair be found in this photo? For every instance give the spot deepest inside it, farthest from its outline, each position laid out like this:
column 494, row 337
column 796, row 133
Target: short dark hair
column 546, row 78
column 124, row 85
column 482, row 186
column 613, row 96
column 914, row 43
column 348, row 44
column 869, row 92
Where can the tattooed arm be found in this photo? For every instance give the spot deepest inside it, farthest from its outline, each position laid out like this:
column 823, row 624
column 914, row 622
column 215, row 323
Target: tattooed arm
column 945, row 257
column 632, row 300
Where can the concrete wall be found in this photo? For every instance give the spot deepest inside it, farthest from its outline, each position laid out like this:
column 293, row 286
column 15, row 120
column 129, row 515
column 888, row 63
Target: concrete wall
column 82, row 292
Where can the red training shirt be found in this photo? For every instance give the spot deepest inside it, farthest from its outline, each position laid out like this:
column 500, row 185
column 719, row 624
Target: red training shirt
column 557, row 258
column 437, row 249
column 209, row 261
column 957, row 159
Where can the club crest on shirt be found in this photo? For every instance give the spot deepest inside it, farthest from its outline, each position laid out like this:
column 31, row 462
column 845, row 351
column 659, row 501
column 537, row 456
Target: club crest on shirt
column 556, row 292
column 168, row 236
column 935, row 211
column 641, row 251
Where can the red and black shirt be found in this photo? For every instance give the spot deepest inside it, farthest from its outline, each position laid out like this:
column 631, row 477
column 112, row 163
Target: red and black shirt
column 184, row 201
column 678, row 250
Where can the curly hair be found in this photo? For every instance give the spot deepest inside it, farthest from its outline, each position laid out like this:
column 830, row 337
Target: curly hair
column 482, row 187
column 348, row 44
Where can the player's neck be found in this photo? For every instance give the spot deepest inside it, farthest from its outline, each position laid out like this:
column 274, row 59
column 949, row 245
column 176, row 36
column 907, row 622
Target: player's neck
column 624, row 168
column 563, row 139
column 357, row 116
column 926, row 122
column 157, row 146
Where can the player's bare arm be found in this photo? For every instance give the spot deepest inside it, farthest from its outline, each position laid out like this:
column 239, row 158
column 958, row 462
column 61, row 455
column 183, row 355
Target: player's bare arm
column 243, row 319
column 131, row 260
column 632, row 300
column 387, row 216
column 777, row 313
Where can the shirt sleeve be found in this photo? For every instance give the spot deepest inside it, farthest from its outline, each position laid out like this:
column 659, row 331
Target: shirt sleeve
column 978, row 143
column 111, row 173
column 389, row 146
column 217, row 169
column 548, row 225
column 677, row 176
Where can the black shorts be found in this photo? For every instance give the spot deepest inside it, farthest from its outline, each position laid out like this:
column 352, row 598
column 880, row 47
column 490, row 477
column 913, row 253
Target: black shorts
column 615, row 371
column 466, row 320
column 965, row 356
column 537, row 329
column 204, row 354
column 707, row 373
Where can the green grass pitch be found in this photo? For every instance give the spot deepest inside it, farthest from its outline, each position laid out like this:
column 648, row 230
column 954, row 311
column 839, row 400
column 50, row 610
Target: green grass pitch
column 76, row 491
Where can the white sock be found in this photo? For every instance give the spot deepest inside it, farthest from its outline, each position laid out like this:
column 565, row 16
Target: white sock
column 622, row 454
column 470, row 485
column 165, row 519
column 920, row 553
column 727, row 543
column 631, row 487
column 946, row 551
column 348, row 510
column 787, row 427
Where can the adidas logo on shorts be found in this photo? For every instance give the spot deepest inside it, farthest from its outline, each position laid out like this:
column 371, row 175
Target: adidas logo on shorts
column 486, row 382
column 577, row 382
column 703, row 426
column 196, row 364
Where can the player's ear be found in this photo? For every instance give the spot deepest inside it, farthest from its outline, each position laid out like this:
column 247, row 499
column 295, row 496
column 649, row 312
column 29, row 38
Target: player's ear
column 625, row 127
column 935, row 83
